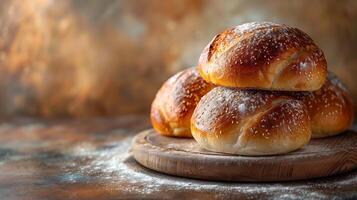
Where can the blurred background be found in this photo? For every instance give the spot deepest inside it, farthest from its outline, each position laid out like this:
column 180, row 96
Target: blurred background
column 85, row 58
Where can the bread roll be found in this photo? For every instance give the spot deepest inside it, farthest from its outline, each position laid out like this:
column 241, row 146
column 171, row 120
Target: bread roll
column 264, row 56
column 250, row 122
column 330, row 108
column 175, row 102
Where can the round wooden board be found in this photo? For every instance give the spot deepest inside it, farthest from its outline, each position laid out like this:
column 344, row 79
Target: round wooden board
column 183, row 157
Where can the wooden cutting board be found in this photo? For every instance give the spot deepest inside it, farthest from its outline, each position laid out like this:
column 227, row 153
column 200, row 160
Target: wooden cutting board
column 183, row 157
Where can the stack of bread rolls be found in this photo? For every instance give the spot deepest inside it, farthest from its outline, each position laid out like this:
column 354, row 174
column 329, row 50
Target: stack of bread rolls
column 258, row 89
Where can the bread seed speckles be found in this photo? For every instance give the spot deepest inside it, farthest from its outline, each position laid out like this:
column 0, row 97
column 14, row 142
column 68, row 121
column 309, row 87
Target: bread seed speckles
column 175, row 101
column 245, row 52
column 330, row 106
column 227, row 107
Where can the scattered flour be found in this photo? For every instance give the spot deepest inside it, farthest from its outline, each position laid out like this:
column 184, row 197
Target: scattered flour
column 116, row 168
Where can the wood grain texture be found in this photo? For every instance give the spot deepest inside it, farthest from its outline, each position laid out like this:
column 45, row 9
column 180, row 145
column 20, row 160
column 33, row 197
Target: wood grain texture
column 183, row 157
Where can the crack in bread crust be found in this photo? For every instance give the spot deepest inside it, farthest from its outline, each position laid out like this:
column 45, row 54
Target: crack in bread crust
column 249, row 120
column 283, row 65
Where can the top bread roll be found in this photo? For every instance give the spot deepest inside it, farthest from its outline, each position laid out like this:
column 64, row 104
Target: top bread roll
column 264, row 56
column 175, row 102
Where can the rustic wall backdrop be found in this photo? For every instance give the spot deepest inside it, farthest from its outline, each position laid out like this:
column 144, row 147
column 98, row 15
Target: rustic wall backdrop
column 89, row 58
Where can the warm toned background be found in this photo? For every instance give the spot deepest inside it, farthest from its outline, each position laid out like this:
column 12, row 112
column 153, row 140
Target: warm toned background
column 106, row 58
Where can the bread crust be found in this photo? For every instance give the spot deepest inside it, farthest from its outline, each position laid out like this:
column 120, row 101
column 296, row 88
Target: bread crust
column 263, row 55
column 175, row 102
column 250, row 122
column 330, row 108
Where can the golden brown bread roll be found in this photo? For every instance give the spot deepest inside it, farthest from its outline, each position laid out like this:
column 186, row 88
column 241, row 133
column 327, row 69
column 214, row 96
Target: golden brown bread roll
column 175, row 102
column 330, row 108
column 264, row 56
column 250, row 122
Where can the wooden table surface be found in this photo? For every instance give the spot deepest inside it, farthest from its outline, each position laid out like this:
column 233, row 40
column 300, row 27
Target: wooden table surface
column 91, row 159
